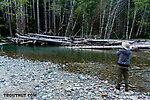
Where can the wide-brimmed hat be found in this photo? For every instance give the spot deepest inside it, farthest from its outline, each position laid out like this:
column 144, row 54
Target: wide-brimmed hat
column 126, row 45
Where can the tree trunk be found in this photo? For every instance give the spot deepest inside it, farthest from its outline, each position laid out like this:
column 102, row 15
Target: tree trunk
column 112, row 24
column 49, row 14
column 33, row 9
column 27, row 20
column 127, row 30
column 102, row 23
column 70, row 18
column 11, row 10
column 141, row 29
column 21, row 23
column 10, row 30
column 38, row 18
column 74, row 24
column 9, row 19
column 64, row 13
column 100, row 19
column 91, row 30
column 54, row 16
column 5, row 10
column 45, row 16
column 87, row 29
column 114, row 17
column 141, row 23
column 82, row 26
column 133, row 24
column 60, row 10
column 16, row 11
column 107, row 25
column 92, row 24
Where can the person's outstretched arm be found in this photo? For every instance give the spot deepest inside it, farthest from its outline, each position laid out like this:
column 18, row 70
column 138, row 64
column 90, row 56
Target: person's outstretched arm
column 119, row 52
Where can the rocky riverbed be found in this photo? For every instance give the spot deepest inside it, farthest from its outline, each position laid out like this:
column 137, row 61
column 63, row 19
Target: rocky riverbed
column 25, row 79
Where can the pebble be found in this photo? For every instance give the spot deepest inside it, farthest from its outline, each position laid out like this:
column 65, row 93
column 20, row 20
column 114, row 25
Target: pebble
column 117, row 92
column 49, row 82
column 2, row 80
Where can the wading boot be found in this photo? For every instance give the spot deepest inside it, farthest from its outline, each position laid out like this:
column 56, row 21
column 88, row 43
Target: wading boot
column 126, row 89
column 118, row 86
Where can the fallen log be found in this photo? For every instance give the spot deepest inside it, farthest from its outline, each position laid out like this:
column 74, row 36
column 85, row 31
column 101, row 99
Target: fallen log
column 114, row 43
column 80, row 42
column 96, row 47
column 43, row 39
column 48, row 36
column 103, row 40
column 27, row 42
column 1, row 44
column 140, row 47
column 16, row 40
column 137, row 47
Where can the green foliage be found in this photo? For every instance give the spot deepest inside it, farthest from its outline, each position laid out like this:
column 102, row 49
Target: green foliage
column 2, row 25
column 87, row 11
column 2, row 37
column 143, row 5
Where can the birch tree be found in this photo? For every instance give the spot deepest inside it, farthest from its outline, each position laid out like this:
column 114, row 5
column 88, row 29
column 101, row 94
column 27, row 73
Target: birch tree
column 45, row 15
column 107, row 25
column 70, row 17
column 127, row 30
column 9, row 18
column 133, row 23
column 38, row 17
column 54, row 16
column 100, row 19
column 85, row 18
column 49, row 15
column 33, row 9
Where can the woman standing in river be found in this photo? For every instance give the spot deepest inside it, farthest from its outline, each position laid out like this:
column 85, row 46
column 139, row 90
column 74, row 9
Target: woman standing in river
column 124, row 63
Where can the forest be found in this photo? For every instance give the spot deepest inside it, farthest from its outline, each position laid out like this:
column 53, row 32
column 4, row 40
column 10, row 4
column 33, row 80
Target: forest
column 102, row 19
column 75, row 49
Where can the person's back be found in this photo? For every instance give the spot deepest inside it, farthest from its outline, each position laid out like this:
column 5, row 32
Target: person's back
column 124, row 58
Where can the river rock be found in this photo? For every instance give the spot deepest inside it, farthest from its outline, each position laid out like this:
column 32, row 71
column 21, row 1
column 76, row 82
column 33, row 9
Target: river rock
column 30, row 76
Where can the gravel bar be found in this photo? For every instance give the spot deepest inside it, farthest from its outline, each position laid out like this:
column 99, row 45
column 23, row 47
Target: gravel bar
column 23, row 79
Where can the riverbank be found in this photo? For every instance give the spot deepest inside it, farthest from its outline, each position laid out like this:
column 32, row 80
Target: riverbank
column 47, row 80
column 74, row 42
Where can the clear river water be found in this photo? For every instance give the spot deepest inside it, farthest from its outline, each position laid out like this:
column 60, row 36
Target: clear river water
column 102, row 63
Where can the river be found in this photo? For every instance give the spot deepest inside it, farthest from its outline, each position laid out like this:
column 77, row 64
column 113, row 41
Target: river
column 101, row 63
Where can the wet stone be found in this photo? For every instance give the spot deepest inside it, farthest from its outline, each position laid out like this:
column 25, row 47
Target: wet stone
column 2, row 80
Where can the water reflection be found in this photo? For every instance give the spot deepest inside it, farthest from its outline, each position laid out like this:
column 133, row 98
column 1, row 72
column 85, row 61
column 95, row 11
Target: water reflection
column 58, row 54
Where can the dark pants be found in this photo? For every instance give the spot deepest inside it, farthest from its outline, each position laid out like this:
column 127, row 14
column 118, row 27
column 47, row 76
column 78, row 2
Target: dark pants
column 123, row 71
